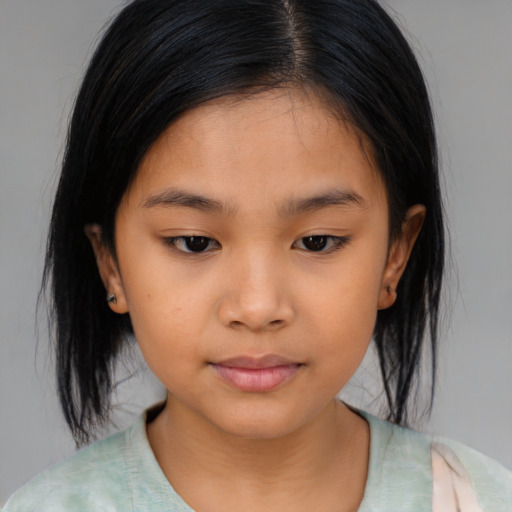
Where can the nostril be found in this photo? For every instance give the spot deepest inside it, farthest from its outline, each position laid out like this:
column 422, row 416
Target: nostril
column 237, row 324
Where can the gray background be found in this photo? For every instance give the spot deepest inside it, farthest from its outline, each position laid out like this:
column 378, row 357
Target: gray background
column 465, row 48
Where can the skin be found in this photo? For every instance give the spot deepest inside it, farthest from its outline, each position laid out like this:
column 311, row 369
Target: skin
column 256, row 290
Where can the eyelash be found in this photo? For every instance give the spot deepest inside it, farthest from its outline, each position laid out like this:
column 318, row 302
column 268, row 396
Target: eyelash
column 175, row 241
column 336, row 243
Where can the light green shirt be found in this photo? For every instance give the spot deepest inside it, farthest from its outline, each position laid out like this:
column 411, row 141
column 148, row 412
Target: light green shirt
column 121, row 474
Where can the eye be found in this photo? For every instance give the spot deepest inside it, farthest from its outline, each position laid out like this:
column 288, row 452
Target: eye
column 193, row 244
column 322, row 243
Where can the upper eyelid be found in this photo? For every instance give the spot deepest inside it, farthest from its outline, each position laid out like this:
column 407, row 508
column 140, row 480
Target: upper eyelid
column 172, row 239
column 169, row 238
column 341, row 240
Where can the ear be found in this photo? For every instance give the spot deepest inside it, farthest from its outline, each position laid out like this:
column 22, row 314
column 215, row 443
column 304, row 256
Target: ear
column 108, row 269
column 399, row 255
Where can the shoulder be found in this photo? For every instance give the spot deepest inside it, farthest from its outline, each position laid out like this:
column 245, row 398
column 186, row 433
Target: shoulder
column 117, row 474
column 401, row 460
column 92, row 479
column 491, row 480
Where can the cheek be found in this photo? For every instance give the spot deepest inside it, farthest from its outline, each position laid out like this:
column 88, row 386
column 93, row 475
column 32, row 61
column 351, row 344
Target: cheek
column 349, row 291
column 345, row 330
column 164, row 308
column 344, row 333
column 164, row 333
column 162, row 324
column 344, row 310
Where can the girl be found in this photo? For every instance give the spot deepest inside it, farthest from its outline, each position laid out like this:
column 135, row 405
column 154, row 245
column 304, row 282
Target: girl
column 250, row 188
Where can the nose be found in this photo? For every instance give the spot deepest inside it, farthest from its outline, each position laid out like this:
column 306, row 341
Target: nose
column 256, row 297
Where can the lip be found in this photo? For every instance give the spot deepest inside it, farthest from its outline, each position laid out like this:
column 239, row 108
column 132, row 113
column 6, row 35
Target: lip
column 256, row 374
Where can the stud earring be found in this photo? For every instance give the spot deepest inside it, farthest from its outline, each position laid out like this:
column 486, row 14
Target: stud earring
column 112, row 298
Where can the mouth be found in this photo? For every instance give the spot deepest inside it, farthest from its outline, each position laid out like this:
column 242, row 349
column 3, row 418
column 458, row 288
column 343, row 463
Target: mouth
column 256, row 374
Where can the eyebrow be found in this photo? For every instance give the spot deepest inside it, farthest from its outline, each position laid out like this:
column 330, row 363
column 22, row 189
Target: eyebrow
column 172, row 197
column 294, row 207
column 323, row 200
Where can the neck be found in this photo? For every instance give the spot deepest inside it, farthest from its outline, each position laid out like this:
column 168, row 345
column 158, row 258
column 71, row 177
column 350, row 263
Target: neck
column 330, row 451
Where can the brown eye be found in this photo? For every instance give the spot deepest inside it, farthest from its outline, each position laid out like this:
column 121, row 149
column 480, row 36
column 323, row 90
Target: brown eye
column 315, row 243
column 322, row 243
column 196, row 243
column 192, row 244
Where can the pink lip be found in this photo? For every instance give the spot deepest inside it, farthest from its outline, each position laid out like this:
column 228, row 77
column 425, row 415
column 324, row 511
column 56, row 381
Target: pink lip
column 256, row 374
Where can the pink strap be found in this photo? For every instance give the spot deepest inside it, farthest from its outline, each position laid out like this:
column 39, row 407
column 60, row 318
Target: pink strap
column 452, row 491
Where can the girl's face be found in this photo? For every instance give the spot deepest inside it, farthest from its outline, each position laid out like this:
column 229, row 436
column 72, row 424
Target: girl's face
column 253, row 255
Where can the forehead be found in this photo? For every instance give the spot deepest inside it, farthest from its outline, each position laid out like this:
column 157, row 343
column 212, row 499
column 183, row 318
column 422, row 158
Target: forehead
column 278, row 142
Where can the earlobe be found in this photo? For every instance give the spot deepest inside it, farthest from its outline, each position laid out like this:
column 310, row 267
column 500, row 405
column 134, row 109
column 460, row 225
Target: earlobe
column 108, row 270
column 387, row 297
column 399, row 255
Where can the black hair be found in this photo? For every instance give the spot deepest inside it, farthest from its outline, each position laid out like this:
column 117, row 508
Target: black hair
column 161, row 58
